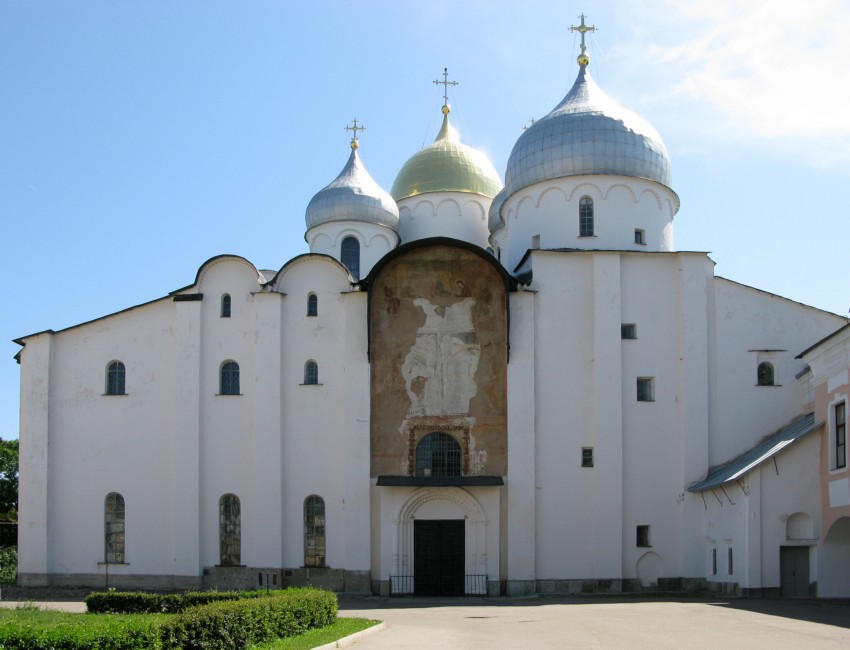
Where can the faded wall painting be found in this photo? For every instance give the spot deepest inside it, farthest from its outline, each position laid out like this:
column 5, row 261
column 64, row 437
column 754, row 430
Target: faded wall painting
column 438, row 345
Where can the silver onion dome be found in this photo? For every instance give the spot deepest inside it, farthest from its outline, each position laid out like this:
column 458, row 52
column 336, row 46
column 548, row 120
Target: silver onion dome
column 353, row 196
column 587, row 133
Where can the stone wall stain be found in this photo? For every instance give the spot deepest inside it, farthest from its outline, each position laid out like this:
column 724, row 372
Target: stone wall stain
column 438, row 341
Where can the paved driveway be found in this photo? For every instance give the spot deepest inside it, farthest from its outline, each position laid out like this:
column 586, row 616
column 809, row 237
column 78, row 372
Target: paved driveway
column 615, row 623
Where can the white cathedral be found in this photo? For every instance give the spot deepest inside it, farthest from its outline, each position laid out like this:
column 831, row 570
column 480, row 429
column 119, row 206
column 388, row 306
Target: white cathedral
column 463, row 388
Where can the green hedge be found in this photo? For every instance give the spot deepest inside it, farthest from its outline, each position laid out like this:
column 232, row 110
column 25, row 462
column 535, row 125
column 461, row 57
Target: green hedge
column 236, row 624
column 34, row 630
column 138, row 602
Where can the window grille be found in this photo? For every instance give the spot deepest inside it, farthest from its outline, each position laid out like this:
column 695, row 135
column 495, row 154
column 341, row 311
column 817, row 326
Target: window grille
column 765, row 374
column 311, row 372
column 115, row 378
column 438, row 455
column 230, row 530
column 229, row 378
column 114, row 528
column 351, row 256
column 314, row 531
column 585, row 217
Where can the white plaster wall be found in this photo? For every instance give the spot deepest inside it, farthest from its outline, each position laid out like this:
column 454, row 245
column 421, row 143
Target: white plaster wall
column 375, row 241
column 100, row 444
column 788, row 487
column 751, row 516
column 458, row 215
column 748, row 320
column 586, row 377
column 550, row 210
column 34, row 488
column 325, row 430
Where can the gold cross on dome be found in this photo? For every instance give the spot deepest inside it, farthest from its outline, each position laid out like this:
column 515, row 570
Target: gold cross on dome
column 583, row 29
column 445, row 83
column 354, row 128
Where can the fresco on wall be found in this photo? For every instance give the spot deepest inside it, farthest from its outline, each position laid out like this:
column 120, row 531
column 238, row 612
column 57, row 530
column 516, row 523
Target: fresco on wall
column 438, row 345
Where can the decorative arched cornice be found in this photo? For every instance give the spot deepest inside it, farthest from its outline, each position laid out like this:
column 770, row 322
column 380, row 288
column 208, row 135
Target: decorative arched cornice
column 467, row 503
column 424, row 204
column 379, row 236
column 578, row 189
column 653, row 194
column 443, row 202
column 549, row 190
column 476, row 206
column 629, row 189
column 319, row 236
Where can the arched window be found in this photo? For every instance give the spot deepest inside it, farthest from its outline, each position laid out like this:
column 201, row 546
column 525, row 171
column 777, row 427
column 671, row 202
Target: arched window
column 115, row 376
column 229, row 530
column 225, row 305
column 312, row 305
column 311, row 372
column 351, row 256
column 229, row 384
column 113, row 520
column 314, row 531
column 765, row 374
column 585, row 217
column 438, row 455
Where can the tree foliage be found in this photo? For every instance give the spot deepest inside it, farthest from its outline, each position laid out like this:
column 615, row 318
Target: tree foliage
column 8, row 480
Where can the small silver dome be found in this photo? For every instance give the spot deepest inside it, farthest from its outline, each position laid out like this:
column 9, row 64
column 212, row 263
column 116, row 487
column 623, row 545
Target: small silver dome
column 353, row 196
column 495, row 219
column 587, row 133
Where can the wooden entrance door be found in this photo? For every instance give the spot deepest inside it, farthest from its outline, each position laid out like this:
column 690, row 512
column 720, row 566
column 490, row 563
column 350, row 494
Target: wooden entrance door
column 794, row 571
column 438, row 557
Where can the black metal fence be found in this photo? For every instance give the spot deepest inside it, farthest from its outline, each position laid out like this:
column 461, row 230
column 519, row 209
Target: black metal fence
column 473, row 585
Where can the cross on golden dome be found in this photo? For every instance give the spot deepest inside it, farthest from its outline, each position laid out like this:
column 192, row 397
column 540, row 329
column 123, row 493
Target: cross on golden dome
column 445, row 83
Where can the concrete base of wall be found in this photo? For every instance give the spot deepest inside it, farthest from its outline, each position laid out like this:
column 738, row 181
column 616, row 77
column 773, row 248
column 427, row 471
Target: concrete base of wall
column 339, row 580
column 101, row 581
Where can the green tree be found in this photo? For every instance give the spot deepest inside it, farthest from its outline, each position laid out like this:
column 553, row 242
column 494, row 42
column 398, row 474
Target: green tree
column 8, row 480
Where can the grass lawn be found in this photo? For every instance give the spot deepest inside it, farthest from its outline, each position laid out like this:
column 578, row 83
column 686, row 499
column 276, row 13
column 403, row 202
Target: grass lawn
column 342, row 628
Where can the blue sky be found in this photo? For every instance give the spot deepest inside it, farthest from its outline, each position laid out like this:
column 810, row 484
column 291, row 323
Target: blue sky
column 139, row 139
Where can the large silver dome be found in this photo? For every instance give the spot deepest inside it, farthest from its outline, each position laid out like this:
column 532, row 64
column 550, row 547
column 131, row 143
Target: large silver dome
column 353, row 196
column 587, row 133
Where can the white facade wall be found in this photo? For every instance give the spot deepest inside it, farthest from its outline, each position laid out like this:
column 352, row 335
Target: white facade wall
column 754, row 326
column 546, row 215
column 459, row 215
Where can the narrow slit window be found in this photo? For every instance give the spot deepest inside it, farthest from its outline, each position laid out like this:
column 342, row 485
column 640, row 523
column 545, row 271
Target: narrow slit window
column 230, row 530
column 225, row 305
column 585, row 217
column 312, row 305
column 314, row 531
column 351, row 256
column 840, row 413
column 114, row 528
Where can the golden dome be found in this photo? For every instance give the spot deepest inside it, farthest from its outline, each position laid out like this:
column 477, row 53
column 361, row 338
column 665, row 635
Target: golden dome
column 447, row 165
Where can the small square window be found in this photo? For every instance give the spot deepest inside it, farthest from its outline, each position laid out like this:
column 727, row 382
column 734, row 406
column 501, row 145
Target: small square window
column 587, row 456
column 645, row 389
column 642, row 536
column 628, row 331
column 640, row 236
